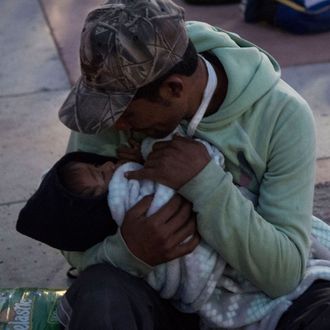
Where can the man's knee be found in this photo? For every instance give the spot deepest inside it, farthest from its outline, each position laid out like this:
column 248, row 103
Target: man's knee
column 104, row 297
column 106, row 283
column 310, row 311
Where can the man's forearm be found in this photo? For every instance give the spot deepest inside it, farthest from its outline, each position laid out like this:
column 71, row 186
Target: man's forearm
column 266, row 253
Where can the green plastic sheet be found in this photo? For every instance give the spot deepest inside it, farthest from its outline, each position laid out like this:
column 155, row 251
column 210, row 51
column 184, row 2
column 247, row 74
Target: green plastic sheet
column 29, row 308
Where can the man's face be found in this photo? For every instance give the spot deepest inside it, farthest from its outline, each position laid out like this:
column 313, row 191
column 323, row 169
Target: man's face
column 154, row 119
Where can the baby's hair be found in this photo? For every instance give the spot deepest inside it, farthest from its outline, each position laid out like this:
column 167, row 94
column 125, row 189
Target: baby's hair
column 70, row 177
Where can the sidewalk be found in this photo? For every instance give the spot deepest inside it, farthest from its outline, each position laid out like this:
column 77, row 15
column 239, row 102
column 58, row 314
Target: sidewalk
column 34, row 81
column 32, row 87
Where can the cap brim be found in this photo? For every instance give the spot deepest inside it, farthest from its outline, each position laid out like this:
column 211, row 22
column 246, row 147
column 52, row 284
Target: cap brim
column 89, row 111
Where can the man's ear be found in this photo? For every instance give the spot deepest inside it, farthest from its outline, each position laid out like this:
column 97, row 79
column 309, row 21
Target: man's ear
column 171, row 87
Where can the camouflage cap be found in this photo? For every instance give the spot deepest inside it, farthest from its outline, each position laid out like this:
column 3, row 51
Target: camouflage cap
column 125, row 44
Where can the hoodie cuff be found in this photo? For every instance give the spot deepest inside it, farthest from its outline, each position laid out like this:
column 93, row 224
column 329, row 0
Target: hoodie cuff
column 118, row 253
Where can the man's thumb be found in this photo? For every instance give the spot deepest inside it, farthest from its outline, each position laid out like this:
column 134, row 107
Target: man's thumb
column 134, row 175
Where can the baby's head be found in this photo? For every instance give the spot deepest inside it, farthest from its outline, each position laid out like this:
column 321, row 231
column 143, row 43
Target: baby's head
column 87, row 179
column 62, row 217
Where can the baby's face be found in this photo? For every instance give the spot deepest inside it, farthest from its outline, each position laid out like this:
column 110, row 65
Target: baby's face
column 93, row 179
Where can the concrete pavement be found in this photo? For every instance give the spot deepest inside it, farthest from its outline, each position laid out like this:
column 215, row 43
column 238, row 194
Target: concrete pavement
column 33, row 84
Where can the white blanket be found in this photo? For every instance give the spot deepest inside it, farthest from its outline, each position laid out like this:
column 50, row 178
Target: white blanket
column 188, row 281
column 201, row 281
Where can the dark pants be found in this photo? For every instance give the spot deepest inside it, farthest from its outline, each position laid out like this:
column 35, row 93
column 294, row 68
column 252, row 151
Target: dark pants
column 311, row 311
column 106, row 298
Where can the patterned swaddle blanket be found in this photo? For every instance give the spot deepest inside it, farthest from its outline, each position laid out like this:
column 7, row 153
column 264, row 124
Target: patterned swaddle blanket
column 187, row 281
column 201, row 281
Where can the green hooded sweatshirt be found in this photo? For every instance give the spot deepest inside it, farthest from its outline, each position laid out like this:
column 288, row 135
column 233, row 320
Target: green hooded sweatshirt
column 266, row 132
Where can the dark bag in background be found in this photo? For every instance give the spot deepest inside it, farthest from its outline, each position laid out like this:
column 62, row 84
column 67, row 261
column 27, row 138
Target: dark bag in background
column 296, row 16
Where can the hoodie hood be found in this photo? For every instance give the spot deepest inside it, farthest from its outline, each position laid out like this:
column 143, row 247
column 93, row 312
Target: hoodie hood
column 251, row 71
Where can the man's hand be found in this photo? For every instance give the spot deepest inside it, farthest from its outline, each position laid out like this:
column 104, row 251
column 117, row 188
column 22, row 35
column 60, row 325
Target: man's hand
column 130, row 152
column 160, row 237
column 173, row 163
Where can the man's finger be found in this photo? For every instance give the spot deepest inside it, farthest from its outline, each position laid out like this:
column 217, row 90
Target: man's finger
column 169, row 210
column 182, row 224
column 160, row 145
column 184, row 248
column 133, row 143
column 143, row 173
column 185, row 233
column 141, row 207
column 181, row 217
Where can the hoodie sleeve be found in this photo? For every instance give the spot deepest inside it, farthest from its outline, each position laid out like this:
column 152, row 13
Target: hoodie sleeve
column 112, row 249
column 268, row 244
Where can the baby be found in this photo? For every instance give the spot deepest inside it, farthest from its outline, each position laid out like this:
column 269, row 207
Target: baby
column 80, row 185
column 188, row 281
column 65, row 219
column 92, row 179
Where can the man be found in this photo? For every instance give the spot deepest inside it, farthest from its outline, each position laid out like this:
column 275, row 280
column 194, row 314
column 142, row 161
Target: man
column 141, row 74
